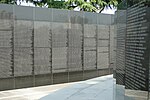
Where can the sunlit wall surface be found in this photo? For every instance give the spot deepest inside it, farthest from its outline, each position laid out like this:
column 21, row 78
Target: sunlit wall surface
column 134, row 83
column 40, row 46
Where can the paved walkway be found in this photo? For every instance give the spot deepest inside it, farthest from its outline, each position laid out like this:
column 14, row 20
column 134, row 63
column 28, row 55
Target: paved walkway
column 33, row 93
column 100, row 88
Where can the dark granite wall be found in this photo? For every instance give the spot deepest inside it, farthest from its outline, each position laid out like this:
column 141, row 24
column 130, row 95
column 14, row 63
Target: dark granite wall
column 135, row 55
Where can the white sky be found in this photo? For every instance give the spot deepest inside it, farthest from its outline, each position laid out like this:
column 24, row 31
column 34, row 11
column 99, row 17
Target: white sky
column 109, row 11
column 105, row 11
column 23, row 3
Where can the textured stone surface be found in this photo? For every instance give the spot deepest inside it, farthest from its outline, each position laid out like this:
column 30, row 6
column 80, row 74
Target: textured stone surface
column 61, row 44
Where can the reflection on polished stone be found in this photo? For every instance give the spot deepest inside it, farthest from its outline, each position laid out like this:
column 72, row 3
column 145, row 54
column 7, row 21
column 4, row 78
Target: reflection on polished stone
column 119, row 92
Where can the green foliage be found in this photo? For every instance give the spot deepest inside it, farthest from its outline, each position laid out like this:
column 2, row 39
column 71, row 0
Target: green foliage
column 8, row 1
column 40, row 3
column 91, row 5
column 50, row 4
column 83, row 5
column 56, row 4
column 88, row 7
column 122, row 5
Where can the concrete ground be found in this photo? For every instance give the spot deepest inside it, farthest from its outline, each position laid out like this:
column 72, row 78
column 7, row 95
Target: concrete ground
column 33, row 93
column 100, row 88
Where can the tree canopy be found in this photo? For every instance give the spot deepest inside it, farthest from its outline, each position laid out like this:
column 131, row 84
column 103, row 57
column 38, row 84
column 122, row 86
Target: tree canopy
column 41, row 3
column 91, row 5
column 82, row 5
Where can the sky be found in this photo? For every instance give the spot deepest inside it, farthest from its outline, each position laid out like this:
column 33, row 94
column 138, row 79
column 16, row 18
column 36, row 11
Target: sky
column 109, row 11
column 105, row 11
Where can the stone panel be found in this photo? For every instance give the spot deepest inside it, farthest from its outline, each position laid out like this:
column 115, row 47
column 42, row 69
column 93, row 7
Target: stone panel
column 59, row 59
column 103, row 60
column 42, row 61
column 23, row 33
column 42, row 34
column 23, row 61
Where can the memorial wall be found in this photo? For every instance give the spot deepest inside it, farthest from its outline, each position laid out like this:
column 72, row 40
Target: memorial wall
column 137, row 47
column 137, row 52
column 120, row 26
column 41, row 46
